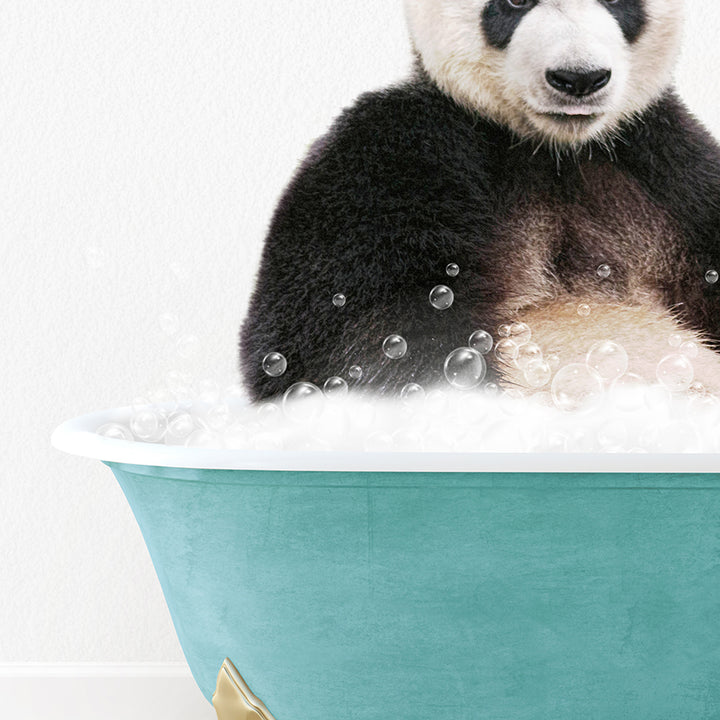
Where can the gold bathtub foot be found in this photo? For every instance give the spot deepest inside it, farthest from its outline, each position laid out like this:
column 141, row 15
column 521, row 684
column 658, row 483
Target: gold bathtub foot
column 233, row 699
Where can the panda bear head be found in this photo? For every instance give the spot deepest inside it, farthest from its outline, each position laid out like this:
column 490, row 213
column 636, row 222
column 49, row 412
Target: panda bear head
column 561, row 71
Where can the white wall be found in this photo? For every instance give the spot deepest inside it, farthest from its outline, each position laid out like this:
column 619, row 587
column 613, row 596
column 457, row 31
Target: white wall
column 143, row 145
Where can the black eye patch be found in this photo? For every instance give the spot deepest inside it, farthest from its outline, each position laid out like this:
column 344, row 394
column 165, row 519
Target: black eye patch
column 630, row 16
column 500, row 20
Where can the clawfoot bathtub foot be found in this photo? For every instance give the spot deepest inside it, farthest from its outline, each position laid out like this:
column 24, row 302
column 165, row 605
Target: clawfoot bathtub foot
column 233, row 699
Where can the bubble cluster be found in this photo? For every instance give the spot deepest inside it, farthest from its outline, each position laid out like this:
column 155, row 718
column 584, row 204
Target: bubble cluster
column 441, row 297
column 395, row 347
column 274, row 364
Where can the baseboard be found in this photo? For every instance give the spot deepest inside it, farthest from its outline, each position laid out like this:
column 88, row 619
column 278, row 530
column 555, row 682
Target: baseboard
column 89, row 691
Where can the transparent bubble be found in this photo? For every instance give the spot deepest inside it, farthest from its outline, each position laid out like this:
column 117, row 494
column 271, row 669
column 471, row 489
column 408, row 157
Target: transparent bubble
column 608, row 359
column 203, row 438
column 115, row 431
column 465, row 368
column 576, row 388
column 507, row 351
column 604, row 271
column 395, row 347
column 627, row 393
column 169, row 323
column 481, row 341
column 528, row 353
column 268, row 414
column 452, row 270
column 355, row 372
column 339, row 300
column 675, row 340
column 675, row 372
column 274, row 364
column 147, row 425
column 236, row 436
column 188, row 346
column 441, row 297
column 711, row 277
column 179, row 427
column 492, row 388
column 553, row 360
column 690, row 349
column 335, row 387
column 504, row 331
column 520, row 333
column 412, row 393
column 303, row 402
column 583, row 310
column 537, row 374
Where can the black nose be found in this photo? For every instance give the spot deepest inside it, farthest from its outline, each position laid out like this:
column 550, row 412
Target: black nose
column 578, row 83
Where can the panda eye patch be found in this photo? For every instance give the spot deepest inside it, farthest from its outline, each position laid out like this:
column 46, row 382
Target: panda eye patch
column 520, row 4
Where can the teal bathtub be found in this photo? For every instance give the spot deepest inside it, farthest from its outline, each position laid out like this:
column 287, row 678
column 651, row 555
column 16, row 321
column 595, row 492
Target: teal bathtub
column 422, row 586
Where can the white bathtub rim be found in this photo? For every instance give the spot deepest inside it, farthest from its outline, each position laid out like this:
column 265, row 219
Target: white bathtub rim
column 78, row 437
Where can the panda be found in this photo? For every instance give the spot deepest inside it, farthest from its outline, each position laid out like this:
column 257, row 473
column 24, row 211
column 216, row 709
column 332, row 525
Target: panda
column 540, row 146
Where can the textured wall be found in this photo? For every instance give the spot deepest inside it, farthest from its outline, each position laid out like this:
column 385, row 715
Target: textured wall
column 143, row 144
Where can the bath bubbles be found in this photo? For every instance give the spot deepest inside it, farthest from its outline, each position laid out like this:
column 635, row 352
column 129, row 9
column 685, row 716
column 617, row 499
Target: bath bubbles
column 608, row 359
column 604, row 271
column 115, row 431
column 481, row 341
column 711, row 277
column 441, row 297
column 690, row 349
column 576, row 388
column 520, row 333
column 302, row 402
column 236, row 436
column 528, row 353
column 188, row 346
column 274, row 364
column 355, row 372
column 339, row 300
column 537, row 373
column 412, row 393
column 452, row 270
column 169, row 323
column 217, row 418
column 465, row 368
column 395, row 347
column 507, row 351
column 203, row 438
column 675, row 372
column 335, row 387
column 179, row 428
column 147, row 425
column 627, row 393
column 583, row 310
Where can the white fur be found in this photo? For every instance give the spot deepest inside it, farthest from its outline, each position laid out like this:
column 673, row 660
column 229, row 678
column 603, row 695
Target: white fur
column 509, row 85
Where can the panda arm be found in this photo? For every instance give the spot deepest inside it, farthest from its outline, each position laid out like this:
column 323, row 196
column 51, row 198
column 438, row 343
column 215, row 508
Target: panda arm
column 376, row 212
column 678, row 162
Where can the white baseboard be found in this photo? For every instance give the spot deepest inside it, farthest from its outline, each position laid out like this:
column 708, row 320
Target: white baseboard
column 92, row 691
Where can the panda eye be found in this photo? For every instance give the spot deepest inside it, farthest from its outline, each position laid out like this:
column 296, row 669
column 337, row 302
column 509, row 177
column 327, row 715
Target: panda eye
column 518, row 4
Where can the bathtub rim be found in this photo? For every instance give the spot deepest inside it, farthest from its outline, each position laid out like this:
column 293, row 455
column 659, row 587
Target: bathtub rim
column 78, row 437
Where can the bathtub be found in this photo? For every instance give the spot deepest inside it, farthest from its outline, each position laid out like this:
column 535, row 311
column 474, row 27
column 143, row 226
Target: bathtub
column 328, row 586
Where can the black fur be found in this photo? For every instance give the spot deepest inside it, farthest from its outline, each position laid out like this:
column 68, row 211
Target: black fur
column 407, row 182
column 630, row 15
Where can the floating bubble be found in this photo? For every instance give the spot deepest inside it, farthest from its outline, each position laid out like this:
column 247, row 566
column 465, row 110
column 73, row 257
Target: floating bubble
column 169, row 323
column 690, row 349
column 302, row 402
column 520, row 333
column 583, row 310
column 452, row 270
column 147, row 425
column 441, row 297
column 395, row 347
column 412, row 393
column 274, row 364
column 675, row 372
column 115, row 431
column 507, row 351
column 339, row 300
column 465, row 368
column 553, row 360
column 604, row 271
column 481, row 341
column 335, row 387
column 504, row 331
column 675, row 340
column 608, row 359
column 492, row 388
column 711, row 277
column 268, row 414
column 576, row 388
column 537, row 373
column 528, row 353
column 188, row 346
column 355, row 372
column 179, row 427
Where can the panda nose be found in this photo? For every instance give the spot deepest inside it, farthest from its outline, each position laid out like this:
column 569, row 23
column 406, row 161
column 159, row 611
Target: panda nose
column 578, row 84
